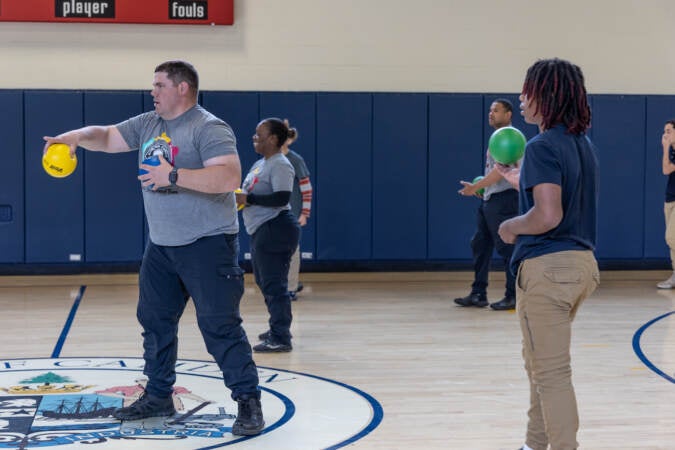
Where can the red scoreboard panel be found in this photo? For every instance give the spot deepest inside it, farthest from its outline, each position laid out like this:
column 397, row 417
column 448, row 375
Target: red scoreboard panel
column 179, row 12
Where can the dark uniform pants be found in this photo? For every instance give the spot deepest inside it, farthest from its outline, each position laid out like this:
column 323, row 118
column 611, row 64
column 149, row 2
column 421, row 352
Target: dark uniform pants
column 208, row 271
column 491, row 213
column 272, row 246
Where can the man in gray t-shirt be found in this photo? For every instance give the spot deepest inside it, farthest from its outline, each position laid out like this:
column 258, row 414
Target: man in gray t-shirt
column 185, row 142
column 188, row 169
column 499, row 203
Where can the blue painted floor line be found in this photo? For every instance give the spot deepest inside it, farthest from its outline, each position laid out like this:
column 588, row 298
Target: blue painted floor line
column 69, row 322
column 640, row 354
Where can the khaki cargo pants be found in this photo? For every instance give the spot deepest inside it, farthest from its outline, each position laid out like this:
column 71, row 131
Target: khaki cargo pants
column 549, row 291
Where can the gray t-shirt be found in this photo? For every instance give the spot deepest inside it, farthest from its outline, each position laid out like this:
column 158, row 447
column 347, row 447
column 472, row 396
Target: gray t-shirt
column 178, row 216
column 266, row 176
column 301, row 171
column 501, row 185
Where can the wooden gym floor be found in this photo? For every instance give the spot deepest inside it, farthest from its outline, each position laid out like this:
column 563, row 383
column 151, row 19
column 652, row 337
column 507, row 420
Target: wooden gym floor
column 447, row 377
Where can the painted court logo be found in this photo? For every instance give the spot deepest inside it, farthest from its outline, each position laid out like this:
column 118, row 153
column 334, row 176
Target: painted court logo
column 64, row 403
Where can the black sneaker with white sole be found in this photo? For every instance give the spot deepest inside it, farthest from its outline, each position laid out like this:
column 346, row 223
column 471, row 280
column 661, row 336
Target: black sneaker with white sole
column 270, row 346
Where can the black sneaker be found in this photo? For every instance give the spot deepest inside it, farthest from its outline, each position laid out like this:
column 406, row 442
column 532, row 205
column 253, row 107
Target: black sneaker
column 269, row 346
column 146, row 406
column 300, row 287
column 249, row 420
column 479, row 300
column 505, row 304
column 266, row 335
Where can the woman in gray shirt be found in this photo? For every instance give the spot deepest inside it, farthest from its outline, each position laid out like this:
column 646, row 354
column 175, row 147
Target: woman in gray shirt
column 274, row 230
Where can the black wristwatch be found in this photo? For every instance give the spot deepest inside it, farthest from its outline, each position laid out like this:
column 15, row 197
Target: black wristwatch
column 173, row 176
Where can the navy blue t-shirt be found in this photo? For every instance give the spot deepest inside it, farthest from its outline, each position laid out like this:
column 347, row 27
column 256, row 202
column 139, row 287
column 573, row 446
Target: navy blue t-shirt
column 670, row 188
column 568, row 160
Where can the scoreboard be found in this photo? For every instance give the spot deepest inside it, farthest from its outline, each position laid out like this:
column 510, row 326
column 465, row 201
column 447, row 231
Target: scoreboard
column 186, row 12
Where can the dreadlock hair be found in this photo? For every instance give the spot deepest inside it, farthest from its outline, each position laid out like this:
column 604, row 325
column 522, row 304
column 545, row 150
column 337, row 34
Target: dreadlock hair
column 557, row 87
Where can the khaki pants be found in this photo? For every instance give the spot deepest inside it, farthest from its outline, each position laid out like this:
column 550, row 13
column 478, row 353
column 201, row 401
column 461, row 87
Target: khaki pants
column 294, row 271
column 549, row 291
column 669, row 211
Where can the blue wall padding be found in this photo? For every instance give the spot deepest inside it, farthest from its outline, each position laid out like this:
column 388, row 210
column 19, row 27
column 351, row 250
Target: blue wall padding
column 619, row 135
column 300, row 109
column 385, row 171
column 659, row 109
column 399, row 176
column 11, row 182
column 344, row 177
column 241, row 111
column 455, row 153
column 54, row 206
column 113, row 205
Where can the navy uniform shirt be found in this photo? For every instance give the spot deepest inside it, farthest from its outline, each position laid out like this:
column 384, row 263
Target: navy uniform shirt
column 670, row 188
column 568, row 160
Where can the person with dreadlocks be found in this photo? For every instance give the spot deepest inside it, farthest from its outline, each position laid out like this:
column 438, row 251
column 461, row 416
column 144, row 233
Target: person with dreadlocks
column 554, row 238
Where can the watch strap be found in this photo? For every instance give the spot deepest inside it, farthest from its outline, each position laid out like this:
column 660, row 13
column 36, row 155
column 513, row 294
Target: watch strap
column 173, row 176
